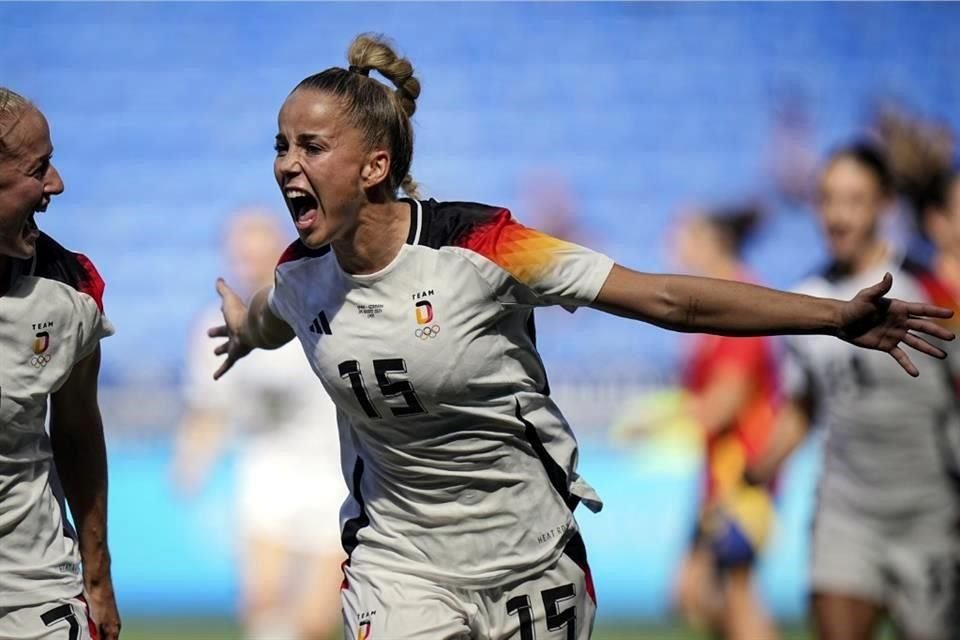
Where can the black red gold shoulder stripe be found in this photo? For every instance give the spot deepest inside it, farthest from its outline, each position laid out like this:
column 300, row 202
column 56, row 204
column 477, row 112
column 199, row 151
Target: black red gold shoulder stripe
column 54, row 262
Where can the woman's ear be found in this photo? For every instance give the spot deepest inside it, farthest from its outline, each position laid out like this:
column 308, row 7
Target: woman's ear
column 376, row 169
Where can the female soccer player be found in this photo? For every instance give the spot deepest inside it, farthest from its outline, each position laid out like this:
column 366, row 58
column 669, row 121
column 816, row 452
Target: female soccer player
column 416, row 315
column 283, row 424
column 884, row 536
column 732, row 396
column 51, row 323
column 941, row 224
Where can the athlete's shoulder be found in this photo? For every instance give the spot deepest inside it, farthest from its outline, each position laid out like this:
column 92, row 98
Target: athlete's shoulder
column 297, row 251
column 52, row 261
column 462, row 224
column 920, row 271
column 929, row 282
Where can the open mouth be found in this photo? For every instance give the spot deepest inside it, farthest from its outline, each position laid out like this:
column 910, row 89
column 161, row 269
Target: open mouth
column 30, row 228
column 303, row 207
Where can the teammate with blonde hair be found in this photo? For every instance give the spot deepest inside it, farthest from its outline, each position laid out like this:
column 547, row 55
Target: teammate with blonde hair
column 417, row 317
column 52, row 576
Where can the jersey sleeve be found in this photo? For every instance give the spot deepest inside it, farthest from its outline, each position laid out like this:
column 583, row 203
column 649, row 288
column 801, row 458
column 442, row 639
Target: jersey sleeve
column 282, row 298
column 93, row 324
column 525, row 266
column 52, row 261
column 278, row 306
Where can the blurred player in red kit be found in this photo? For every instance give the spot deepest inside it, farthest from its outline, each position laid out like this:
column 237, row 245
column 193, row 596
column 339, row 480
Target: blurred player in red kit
column 732, row 385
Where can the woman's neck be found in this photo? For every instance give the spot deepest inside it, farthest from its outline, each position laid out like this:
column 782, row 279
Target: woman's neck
column 871, row 257
column 380, row 233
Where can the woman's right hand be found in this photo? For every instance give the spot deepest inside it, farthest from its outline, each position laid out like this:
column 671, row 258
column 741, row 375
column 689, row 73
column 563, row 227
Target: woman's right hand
column 234, row 328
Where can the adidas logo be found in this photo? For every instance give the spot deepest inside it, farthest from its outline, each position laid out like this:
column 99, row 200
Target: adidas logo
column 320, row 325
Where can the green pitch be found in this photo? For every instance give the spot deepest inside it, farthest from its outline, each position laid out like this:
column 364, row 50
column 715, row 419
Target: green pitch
column 224, row 630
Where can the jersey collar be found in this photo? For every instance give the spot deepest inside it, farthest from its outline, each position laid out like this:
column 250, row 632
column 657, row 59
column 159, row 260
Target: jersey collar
column 416, row 221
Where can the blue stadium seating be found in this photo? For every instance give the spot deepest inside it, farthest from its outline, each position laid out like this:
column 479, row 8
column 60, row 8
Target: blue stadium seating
column 163, row 117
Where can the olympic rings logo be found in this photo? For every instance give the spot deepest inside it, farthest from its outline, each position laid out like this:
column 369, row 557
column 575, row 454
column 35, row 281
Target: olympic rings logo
column 427, row 332
column 40, row 360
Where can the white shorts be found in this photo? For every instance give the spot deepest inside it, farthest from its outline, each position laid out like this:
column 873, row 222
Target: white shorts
column 63, row 619
column 560, row 603
column 911, row 570
column 288, row 498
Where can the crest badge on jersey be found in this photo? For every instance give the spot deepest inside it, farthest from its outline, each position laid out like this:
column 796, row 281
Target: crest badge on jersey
column 41, row 344
column 425, row 316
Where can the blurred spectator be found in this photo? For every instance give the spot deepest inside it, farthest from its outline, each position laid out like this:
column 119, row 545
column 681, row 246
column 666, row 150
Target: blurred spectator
column 548, row 203
column 789, row 162
column 289, row 488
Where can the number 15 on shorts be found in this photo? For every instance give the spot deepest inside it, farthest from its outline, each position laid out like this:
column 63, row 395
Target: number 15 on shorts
column 556, row 618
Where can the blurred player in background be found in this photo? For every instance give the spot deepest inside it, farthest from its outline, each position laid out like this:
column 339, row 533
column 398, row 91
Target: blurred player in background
column 885, row 537
column 732, row 396
column 51, row 323
column 417, row 317
column 941, row 225
column 920, row 153
column 924, row 164
column 289, row 488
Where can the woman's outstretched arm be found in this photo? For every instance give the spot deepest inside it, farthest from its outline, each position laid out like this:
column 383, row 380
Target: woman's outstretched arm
column 705, row 305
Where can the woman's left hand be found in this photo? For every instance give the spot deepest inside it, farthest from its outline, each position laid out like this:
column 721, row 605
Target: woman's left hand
column 872, row 321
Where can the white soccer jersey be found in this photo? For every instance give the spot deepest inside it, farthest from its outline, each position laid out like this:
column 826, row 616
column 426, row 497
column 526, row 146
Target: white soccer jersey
column 887, row 451
column 461, row 468
column 288, row 483
column 271, row 397
column 50, row 319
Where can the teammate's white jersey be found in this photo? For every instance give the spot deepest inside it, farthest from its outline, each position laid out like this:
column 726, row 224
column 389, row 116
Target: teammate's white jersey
column 270, row 398
column 887, row 451
column 461, row 468
column 288, row 483
column 50, row 319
